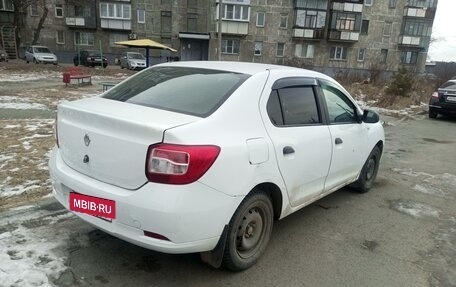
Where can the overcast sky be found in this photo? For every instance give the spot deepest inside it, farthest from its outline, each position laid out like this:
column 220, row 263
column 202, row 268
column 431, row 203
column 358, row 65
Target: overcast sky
column 444, row 30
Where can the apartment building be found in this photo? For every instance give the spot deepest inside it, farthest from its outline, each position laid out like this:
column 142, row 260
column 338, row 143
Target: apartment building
column 326, row 35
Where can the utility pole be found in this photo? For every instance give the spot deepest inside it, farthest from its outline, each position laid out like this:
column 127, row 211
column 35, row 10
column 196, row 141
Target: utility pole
column 219, row 49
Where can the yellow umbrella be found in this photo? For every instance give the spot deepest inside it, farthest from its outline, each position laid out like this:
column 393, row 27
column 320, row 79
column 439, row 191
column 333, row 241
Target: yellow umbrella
column 147, row 44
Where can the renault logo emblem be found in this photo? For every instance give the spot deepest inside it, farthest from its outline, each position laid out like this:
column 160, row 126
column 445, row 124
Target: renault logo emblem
column 86, row 140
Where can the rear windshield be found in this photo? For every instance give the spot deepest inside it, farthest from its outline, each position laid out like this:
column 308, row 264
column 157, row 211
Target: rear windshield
column 450, row 85
column 192, row 91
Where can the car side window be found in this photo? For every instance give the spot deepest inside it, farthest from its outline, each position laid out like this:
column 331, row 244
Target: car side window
column 292, row 106
column 340, row 108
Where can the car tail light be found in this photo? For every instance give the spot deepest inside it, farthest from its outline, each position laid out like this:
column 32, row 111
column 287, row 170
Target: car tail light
column 435, row 95
column 179, row 164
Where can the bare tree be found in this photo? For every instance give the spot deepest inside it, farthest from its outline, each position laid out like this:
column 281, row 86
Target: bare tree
column 20, row 12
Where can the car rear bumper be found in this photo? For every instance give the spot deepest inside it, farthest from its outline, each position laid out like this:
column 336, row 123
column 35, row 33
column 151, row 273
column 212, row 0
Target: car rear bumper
column 191, row 216
column 442, row 107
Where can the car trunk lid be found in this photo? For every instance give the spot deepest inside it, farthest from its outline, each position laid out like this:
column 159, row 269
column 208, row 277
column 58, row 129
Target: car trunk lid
column 108, row 140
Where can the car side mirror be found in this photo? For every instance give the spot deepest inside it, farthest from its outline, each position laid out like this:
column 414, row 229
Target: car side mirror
column 370, row 117
column 124, row 57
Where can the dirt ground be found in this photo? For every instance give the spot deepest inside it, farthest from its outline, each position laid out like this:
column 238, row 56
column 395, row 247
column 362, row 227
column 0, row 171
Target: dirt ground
column 28, row 131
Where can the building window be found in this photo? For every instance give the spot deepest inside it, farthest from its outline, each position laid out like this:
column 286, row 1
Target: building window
column 392, row 4
column 365, row 27
column 258, row 48
column 6, row 5
column 58, row 11
column 280, row 49
column 283, row 21
column 312, row 4
column 192, row 21
column 304, row 51
column 82, row 11
column 192, row 3
column 141, row 14
column 338, row 53
column 113, row 38
column 361, row 54
column 260, row 19
column 60, row 37
column 83, row 39
column 115, row 11
column 33, row 10
column 422, row 3
column 383, row 56
column 310, row 19
column 387, row 29
column 166, row 21
column 368, row 2
column 346, row 21
column 409, row 57
column 230, row 46
column 414, row 27
column 235, row 12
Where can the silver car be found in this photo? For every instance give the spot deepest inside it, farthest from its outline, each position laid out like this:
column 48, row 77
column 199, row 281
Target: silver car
column 133, row 61
column 40, row 54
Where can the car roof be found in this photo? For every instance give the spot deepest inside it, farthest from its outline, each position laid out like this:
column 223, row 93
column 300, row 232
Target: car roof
column 243, row 67
column 38, row 46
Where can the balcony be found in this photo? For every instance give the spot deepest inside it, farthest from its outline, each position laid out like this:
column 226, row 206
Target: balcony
column 115, row 24
column 420, row 12
column 234, row 27
column 343, row 36
column 421, row 42
column 308, row 33
column 347, row 7
column 81, row 16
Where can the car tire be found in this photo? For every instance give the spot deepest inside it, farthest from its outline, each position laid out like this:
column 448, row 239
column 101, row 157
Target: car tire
column 432, row 114
column 369, row 171
column 35, row 61
column 249, row 231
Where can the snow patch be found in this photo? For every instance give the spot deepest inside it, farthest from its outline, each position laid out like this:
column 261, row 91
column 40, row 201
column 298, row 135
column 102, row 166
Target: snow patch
column 415, row 209
column 27, row 77
column 23, row 106
column 7, row 191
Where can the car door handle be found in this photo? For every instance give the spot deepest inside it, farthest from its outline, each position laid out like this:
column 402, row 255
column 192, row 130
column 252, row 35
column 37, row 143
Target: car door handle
column 339, row 141
column 288, row 150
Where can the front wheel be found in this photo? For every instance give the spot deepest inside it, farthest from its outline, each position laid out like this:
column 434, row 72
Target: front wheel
column 369, row 171
column 249, row 231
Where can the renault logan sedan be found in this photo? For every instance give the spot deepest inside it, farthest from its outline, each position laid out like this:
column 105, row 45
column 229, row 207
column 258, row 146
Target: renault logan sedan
column 204, row 156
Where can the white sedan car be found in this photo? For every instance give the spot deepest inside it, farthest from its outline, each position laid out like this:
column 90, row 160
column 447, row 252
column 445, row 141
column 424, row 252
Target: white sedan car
column 204, row 156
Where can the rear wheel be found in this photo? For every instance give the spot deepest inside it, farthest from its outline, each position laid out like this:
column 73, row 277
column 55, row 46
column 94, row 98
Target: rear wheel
column 249, row 231
column 432, row 114
column 369, row 171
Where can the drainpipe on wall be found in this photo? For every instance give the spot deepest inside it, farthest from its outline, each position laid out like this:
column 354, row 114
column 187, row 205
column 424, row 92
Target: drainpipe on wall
column 219, row 49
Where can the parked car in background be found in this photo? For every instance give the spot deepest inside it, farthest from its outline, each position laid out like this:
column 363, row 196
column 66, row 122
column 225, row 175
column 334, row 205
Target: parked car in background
column 90, row 59
column 40, row 54
column 443, row 101
column 3, row 55
column 133, row 61
column 203, row 156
